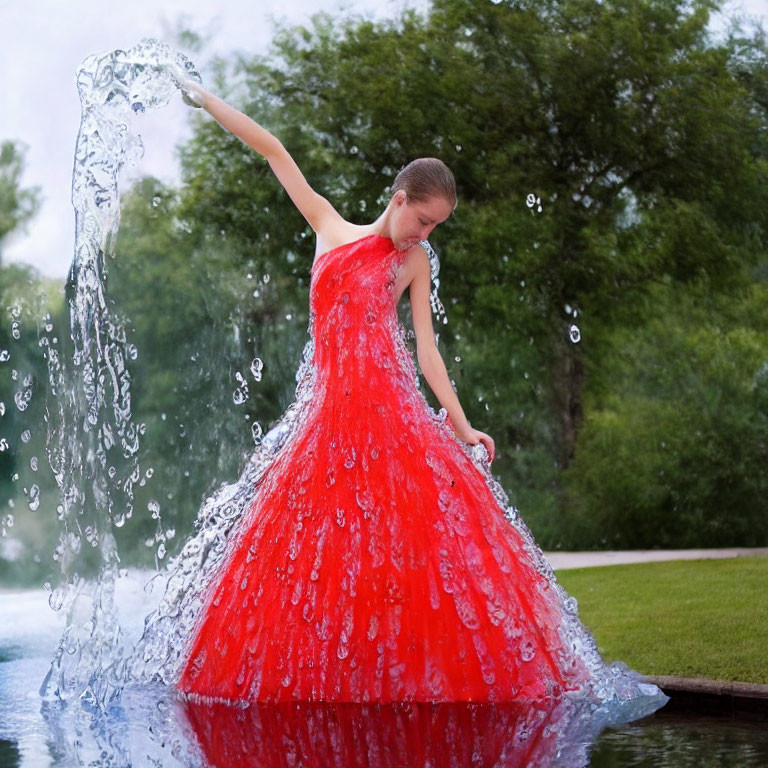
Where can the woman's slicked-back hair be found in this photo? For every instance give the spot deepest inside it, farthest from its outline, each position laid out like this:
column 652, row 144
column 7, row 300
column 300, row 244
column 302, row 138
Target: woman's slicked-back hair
column 424, row 178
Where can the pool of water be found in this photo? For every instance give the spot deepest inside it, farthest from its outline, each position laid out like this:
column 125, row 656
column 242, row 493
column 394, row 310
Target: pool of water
column 149, row 726
column 684, row 741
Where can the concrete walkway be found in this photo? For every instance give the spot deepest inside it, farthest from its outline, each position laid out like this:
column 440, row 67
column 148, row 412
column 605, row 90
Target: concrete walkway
column 561, row 561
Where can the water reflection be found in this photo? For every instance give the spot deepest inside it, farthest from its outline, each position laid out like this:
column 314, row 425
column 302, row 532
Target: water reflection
column 9, row 753
column 393, row 735
column 152, row 727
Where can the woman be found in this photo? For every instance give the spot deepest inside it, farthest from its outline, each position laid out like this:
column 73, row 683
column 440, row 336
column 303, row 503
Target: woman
column 423, row 196
column 377, row 561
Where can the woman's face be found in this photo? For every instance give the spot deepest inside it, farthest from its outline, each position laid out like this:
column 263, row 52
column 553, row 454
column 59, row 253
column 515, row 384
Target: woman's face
column 412, row 222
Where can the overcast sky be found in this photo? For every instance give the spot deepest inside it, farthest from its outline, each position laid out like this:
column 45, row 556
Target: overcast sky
column 42, row 43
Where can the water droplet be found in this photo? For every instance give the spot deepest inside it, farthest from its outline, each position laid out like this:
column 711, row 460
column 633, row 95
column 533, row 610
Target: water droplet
column 256, row 368
column 33, row 463
column 23, row 397
column 257, row 432
column 3, row 444
column 34, row 497
column 5, row 355
column 527, row 651
column 25, row 436
column 154, row 507
column 15, row 332
column 574, row 334
column 2, row 408
column 533, row 202
column 56, row 599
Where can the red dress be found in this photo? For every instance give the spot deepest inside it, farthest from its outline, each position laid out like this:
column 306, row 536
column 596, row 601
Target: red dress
column 375, row 563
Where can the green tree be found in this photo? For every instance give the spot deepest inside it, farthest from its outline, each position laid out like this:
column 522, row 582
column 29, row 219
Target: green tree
column 17, row 205
column 31, row 316
column 643, row 138
column 198, row 313
column 675, row 442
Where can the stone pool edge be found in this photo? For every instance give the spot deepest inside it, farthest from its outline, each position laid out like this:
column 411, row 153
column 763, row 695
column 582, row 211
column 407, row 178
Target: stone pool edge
column 715, row 696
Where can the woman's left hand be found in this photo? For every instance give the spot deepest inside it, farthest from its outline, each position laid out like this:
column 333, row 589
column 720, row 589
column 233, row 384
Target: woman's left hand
column 474, row 436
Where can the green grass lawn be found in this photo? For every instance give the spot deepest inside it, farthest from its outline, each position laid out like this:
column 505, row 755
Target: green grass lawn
column 695, row 618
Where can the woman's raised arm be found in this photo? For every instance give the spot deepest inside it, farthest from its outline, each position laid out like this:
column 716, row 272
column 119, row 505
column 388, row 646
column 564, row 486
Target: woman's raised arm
column 313, row 207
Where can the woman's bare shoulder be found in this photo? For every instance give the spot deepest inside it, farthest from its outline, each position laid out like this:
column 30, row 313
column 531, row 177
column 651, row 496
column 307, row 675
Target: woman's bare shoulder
column 416, row 259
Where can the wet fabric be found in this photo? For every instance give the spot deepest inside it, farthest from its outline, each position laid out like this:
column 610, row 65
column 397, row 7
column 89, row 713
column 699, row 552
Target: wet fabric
column 375, row 564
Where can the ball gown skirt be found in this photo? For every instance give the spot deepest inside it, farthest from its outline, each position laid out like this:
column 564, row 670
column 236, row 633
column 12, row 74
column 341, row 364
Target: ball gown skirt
column 375, row 563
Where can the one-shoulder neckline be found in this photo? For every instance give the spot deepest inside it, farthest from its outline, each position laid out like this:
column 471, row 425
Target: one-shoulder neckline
column 351, row 242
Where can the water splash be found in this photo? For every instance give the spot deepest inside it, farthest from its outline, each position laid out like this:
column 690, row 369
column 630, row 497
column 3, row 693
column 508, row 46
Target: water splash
column 434, row 269
column 93, row 440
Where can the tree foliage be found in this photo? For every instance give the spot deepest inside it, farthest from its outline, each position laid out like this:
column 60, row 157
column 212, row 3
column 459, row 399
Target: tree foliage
column 643, row 138
column 645, row 141
column 17, row 205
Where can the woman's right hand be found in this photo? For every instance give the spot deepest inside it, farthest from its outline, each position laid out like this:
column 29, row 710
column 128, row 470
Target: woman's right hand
column 192, row 92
